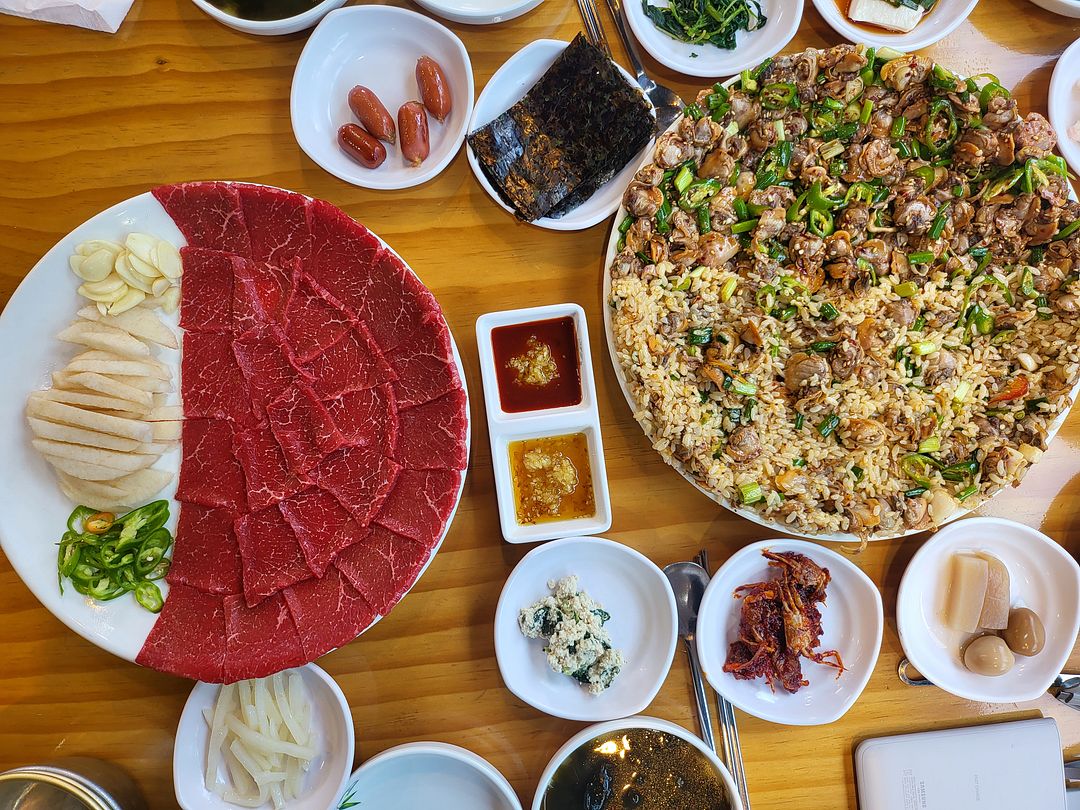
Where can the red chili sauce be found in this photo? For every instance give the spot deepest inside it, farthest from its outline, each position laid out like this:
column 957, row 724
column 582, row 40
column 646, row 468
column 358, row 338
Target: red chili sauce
column 536, row 365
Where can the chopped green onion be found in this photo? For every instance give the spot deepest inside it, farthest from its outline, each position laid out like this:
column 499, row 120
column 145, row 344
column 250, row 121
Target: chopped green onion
column 684, row 177
column 866, row 111
column 938, row 225
column 747, row 82
column 828, row 425
column 915, row 492
column 906, row 289
column 844, row 132
column 799, row 462
column 921, row 257
column 962, row 391
column 858, row 473
column 727, row 289
column 822, row 346
column 800, row 420
column 1043, row 311
column 930, row 445
column 918, row 468
column 967, row 492
column 704, row 221
column 1003, row 337
column 923, row 347
column 899, row 124
column 740, row 209
column 744, row 227
column 1067, row 231
column 830, row 150
column 699, row 336
column 828, row 312
column 919, row 325
column 743, row 387
column 750, row 493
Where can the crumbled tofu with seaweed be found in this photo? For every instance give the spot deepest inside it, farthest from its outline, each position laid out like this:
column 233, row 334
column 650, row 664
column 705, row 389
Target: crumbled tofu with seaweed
column 578, row 644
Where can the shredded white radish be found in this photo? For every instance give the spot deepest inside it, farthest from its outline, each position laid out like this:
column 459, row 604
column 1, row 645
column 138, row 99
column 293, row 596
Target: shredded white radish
column 261, row 737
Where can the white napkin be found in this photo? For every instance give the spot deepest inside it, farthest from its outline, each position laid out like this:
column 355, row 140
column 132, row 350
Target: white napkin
column 98, row 15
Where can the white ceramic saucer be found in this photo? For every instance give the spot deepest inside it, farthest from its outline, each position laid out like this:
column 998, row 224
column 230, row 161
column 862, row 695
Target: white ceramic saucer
column 1064, row 102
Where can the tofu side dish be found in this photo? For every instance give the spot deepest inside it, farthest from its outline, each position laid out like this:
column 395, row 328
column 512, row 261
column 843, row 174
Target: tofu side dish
column 578, row 645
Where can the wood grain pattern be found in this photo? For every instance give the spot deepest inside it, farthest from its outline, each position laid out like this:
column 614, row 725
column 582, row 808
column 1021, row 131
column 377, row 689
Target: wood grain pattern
column 87, row 120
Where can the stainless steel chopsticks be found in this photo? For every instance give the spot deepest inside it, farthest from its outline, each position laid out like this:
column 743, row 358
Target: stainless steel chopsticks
column 594, row 30
column 729, row 730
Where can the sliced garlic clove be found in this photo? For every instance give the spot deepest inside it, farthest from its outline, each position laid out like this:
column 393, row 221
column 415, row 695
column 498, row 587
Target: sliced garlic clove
column 102, row 307
column 103, row 297
column 167, row 258
column 170, row 299
column 160, row 285
column 127, row 273
column 132, row 298
column 91, row 245
column 109, row 284
column 144, row 268
column 96, row 266
column 142, row 245
column 75, row 261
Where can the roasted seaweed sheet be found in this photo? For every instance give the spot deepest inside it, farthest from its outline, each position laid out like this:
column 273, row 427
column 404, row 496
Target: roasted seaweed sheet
column 579, row 125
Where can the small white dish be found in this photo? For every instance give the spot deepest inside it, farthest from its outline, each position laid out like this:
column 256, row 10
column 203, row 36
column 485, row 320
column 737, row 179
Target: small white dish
column 377, row 46
column 945, row 18
column 852, row 620
column 643, row 625
column 601, row 729
column 504, row 428
column 1064, row 99
column 1067, row 8
column 479, row 12
column 1043, row 577
column 331, row 721
column 429, row 774
column 505, row 89
column 708, row 61
column 271, row 28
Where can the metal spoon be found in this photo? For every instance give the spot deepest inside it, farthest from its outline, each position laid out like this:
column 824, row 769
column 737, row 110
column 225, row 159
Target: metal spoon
column 688, row 581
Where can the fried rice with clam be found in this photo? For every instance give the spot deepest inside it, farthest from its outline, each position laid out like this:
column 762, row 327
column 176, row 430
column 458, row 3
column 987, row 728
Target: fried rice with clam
column 845, row 293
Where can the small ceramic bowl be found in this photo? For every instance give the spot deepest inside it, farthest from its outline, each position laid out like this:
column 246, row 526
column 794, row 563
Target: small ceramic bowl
column 505, row 89
column 945, row 18
column 1067, row 8
column 331, row 720
column 1064, row 100
column 377, row 46
column 643, row 625
column 653, row 723
column 429, row 774
column 709, row 61
column 479, row 12
column 1043, row 577
column 852, row 620
column 271, row 28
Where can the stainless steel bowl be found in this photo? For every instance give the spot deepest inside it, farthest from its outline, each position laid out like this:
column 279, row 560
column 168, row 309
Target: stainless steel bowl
column 76, row 783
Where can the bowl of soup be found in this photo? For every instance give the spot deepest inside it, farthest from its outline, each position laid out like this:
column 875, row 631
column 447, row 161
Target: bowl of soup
column 636, row 762
column 268, row 17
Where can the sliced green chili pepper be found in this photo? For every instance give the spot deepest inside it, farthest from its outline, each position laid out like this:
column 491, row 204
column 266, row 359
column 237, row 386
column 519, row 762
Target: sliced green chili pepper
column 899, row 125
column 777, row 95
column 991, row 90
column 940, row 107
column 820, row 222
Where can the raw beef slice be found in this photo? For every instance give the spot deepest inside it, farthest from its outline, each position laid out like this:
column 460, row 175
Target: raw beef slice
column 188, row 637
column 278, row 224
column 208, row 215
column 329, row 613
column 421, row 503
column 433, row 435
column 209, row 472
column 367, row 417
column 211, row 384
column 360, row 478
column 394, row 303
column 261, row 640
column 353, row 363
column 268, row 476
column 206, row 555
column 263, row 356
column 424, row 365
column 261, row 294
column 342, row 253
column 206, row 293
column 383, row 566
column 303, row 428
column 271, row 555
column 322, row 526
column 314, row 324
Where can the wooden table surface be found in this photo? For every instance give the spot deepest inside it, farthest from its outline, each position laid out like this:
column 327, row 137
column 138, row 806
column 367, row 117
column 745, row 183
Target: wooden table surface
column 88, row 119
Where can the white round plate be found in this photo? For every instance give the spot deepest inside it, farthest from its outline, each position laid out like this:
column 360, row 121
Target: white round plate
column 1043, row 577
column 742, row 511
column 333, row 729
column 708, row 61
column 1064, row 101
column 479, row 12
column 1067, row 8
column 429, row 774
column 270, row 28
column 505, row 89
column 938, row 24
column 32, row 508
column 377, row 46
column 643, row 625
column 640, row 721
column 852, row 620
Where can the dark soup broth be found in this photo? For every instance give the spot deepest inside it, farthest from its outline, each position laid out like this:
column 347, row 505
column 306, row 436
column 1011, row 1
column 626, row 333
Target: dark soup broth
column 264, row 9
